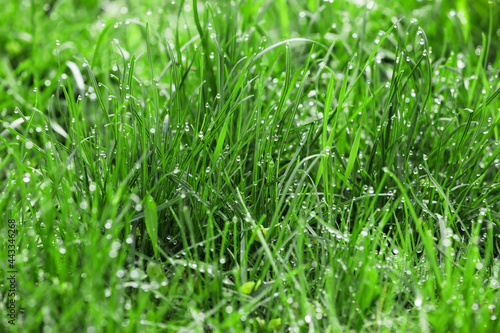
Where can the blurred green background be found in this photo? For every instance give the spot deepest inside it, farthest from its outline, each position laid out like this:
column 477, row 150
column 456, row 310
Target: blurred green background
column 38, row 37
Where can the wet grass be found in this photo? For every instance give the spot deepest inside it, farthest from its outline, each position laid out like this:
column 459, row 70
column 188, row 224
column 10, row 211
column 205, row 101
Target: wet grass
column 294, row 166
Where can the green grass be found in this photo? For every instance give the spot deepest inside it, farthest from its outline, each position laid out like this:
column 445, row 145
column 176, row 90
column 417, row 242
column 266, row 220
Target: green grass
column 251, row 166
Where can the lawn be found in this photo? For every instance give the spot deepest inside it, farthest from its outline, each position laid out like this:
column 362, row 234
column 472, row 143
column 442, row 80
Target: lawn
column 249, row 166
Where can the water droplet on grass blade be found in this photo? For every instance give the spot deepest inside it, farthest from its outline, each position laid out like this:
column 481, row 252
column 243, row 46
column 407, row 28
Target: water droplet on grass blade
column 108, row 224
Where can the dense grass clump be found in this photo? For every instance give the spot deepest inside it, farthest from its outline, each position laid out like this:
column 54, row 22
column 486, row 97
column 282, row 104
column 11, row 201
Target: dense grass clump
column 256, row 166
